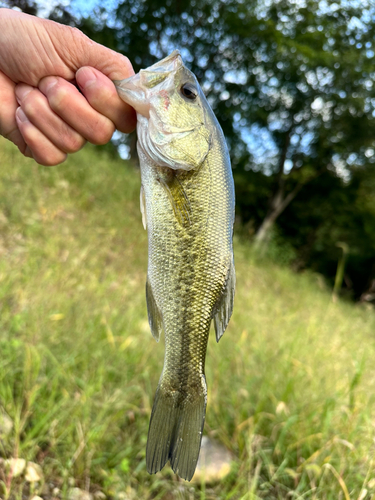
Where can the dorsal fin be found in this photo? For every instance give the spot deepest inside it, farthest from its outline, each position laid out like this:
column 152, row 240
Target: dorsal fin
column 224, row 308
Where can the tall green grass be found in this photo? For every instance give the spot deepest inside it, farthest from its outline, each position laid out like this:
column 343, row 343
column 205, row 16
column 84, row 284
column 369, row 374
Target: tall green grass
column 291, row 384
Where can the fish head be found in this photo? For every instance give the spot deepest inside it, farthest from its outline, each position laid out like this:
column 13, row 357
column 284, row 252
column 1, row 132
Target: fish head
column 173, row 113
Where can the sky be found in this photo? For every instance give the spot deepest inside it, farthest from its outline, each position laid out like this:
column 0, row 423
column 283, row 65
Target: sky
column 82, row 7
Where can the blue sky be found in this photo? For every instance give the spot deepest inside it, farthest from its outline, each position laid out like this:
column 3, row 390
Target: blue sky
column 83, row 7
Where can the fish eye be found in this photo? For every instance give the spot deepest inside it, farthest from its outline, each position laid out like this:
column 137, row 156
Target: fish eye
column 189, row 91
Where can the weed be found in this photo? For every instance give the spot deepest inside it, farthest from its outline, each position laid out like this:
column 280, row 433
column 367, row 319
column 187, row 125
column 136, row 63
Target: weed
column 291, row 384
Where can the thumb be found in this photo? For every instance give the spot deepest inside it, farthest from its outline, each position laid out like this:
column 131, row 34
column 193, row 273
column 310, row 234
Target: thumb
column 76, row 50
column 112, row 64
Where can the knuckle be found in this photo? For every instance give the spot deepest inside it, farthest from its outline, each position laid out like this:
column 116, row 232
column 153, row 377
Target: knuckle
column 76, row 32
column 50, row 158
column 79, row 40
column 106, row 95
column 43, row 152
column 30, row 135
column 102, row 134
column 73, row 142
column 32, row 105
column 128, row 65
column 58, row 98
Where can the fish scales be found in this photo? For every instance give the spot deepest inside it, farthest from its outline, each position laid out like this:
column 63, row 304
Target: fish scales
column 187, row 202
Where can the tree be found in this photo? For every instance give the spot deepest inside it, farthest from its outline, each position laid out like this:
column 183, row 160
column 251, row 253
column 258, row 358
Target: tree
column 295, row 76
column 317, row 95
column 292, row 85
column 27, row 6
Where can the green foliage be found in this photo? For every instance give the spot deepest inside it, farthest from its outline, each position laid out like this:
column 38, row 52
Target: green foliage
column 300, row 71
column 291, row 383
column 292, row 85
column 278, row 250
column 327, row 212
column 27, row 6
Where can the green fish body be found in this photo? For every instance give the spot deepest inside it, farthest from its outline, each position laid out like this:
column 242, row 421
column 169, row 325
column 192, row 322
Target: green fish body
column 187, row 204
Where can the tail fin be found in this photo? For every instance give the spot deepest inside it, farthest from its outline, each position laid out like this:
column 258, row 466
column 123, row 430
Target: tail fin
column 175, row 431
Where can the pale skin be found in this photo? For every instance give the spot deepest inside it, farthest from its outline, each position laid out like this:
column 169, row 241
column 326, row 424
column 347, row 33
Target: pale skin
column 41, row 109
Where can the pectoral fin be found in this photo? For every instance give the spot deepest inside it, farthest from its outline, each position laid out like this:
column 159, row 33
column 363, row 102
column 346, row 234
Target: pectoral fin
column 179, row 200
column 224, row 307
column 154, row 316
column 143, row 207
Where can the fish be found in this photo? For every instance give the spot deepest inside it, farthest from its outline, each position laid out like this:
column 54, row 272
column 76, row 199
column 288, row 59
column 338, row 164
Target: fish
column 187, row 204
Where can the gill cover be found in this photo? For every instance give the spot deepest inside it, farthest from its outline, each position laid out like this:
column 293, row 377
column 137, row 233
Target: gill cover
column 172, row 129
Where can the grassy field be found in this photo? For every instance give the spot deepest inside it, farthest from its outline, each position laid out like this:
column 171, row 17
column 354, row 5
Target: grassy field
column 291, row 384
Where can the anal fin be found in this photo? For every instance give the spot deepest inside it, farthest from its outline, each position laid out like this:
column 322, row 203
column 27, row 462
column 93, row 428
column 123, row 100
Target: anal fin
column 154, row 316
column 224, row 308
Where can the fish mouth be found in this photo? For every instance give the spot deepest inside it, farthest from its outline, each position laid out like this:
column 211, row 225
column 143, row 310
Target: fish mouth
column 130, row 90
column 135, row 90
column 168, row 64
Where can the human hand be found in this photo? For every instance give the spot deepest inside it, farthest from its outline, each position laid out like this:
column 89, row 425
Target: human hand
column 41, row 110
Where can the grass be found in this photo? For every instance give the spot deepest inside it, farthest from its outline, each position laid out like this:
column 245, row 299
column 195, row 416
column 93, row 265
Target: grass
column 291, row 384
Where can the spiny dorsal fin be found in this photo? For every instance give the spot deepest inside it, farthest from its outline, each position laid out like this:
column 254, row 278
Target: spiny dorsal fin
column 224, row 308
column 154, row 316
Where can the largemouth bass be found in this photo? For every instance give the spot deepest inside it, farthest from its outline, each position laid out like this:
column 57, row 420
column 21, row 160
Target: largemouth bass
column 187, row 205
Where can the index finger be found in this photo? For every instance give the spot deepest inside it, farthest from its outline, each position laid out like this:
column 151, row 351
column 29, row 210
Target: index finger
column 9, row 105
column 101, row 93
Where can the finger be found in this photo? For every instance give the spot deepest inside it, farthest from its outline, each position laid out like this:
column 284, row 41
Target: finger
column 112, row 64
column 8, row 124
column 102, row 95
column 66, row 101
column 42, row 149
column 77, row 50
column 37, row 109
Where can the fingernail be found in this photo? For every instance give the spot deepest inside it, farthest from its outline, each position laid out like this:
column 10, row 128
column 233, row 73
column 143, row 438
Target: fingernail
column 21, row 115
column 87, row 77
column 22, row 91
column 47, row 84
